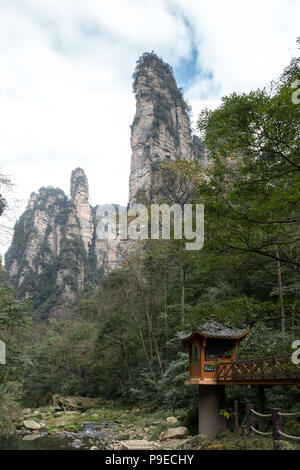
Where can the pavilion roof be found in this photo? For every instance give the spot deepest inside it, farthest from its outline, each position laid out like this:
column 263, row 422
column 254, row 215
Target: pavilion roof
column 212, row 329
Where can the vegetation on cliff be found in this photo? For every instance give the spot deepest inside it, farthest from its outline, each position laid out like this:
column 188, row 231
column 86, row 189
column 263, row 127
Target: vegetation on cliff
column 150, row 60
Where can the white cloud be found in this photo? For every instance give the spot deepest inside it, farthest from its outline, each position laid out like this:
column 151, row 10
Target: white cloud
column 245, row 44
column 66, row 66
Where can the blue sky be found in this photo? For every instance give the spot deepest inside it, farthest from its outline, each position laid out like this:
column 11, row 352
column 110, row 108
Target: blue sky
column 65, row 77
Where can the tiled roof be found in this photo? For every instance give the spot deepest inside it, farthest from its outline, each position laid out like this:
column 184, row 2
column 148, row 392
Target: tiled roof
column 214, row 330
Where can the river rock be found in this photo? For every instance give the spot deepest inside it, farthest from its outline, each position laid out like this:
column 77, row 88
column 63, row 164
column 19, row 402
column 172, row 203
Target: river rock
column 31, row 424
column 75, row 403
column 139, row 445
column 172, row 420
column 174, row 433
column 77, row 443
column 31, row 437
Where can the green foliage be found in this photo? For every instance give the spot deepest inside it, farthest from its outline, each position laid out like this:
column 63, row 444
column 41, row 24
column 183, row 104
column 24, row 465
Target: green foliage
column 2, row 204
column 287, row 445
column 163, row 71
column 162, row 114
column 13, row 325
column 167, row 390
column 254, row 144
column 162, row 106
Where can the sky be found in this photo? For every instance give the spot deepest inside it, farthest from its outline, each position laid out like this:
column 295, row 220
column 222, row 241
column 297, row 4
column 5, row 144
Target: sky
column 66, row 69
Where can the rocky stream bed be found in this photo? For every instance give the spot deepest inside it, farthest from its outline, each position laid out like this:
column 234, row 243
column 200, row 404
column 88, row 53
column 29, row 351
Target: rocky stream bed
column 100, row 427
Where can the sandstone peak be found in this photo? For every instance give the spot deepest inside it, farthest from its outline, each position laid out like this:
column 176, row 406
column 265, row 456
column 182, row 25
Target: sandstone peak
column 161, row 126
column 151, row 62
column 55, row 248
column 79, row 184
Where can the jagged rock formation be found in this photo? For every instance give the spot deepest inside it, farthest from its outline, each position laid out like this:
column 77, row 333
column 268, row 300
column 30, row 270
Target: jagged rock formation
column 55, row 250
column 161, row 126
column 80, row 198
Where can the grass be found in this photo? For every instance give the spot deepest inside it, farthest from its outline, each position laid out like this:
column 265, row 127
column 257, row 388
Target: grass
column 71, row 428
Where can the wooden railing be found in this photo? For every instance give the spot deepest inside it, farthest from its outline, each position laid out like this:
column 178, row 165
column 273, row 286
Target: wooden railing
column 266, row 368
column 277, row 423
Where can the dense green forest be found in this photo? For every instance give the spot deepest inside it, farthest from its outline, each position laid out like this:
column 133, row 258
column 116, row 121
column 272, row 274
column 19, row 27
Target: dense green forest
column 120, row 339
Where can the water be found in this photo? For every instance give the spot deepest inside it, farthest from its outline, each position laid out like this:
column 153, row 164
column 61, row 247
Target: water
column 43, row 443
column 89, row 435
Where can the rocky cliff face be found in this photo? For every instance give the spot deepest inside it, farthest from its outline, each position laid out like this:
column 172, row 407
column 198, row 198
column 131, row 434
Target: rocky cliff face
column 55, row 250
column 161, row 126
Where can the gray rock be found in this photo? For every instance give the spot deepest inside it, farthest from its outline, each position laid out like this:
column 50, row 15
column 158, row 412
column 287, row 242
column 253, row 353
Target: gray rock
column 31, row 436
column 77, row 443
column 172, row 420
column 174, row 433
column 31, row 424
column 139, row 445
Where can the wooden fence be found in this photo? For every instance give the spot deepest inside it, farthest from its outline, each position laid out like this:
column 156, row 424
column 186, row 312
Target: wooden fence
column 277, row 432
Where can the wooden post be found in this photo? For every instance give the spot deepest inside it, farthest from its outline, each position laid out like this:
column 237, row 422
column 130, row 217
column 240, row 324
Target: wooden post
column 202, row 356
column 190, row 359
column 236, row 416
column 249, row 418
column 276, row 426
column 261, row 406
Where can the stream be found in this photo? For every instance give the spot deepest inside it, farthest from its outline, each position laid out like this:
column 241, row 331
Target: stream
column 89, row 435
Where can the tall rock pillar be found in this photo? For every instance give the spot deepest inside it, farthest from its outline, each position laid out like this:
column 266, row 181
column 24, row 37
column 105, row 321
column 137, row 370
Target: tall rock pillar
column 161, row 127
column 80, row 199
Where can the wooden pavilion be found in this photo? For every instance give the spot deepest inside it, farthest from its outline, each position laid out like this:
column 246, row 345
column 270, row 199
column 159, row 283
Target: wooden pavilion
column 208, row 345
column 213, row 365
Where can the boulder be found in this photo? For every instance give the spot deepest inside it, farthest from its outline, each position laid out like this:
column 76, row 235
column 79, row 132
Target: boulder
column 75, row 403
column 37, row 414
column 31, row 424
column 174, row 433
column 139, row 445
column 77, row 443
column 31, row 437
column 172, row 420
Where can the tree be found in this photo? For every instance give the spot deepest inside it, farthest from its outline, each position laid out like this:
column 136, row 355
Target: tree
column 13, row 322
column 252, row 188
